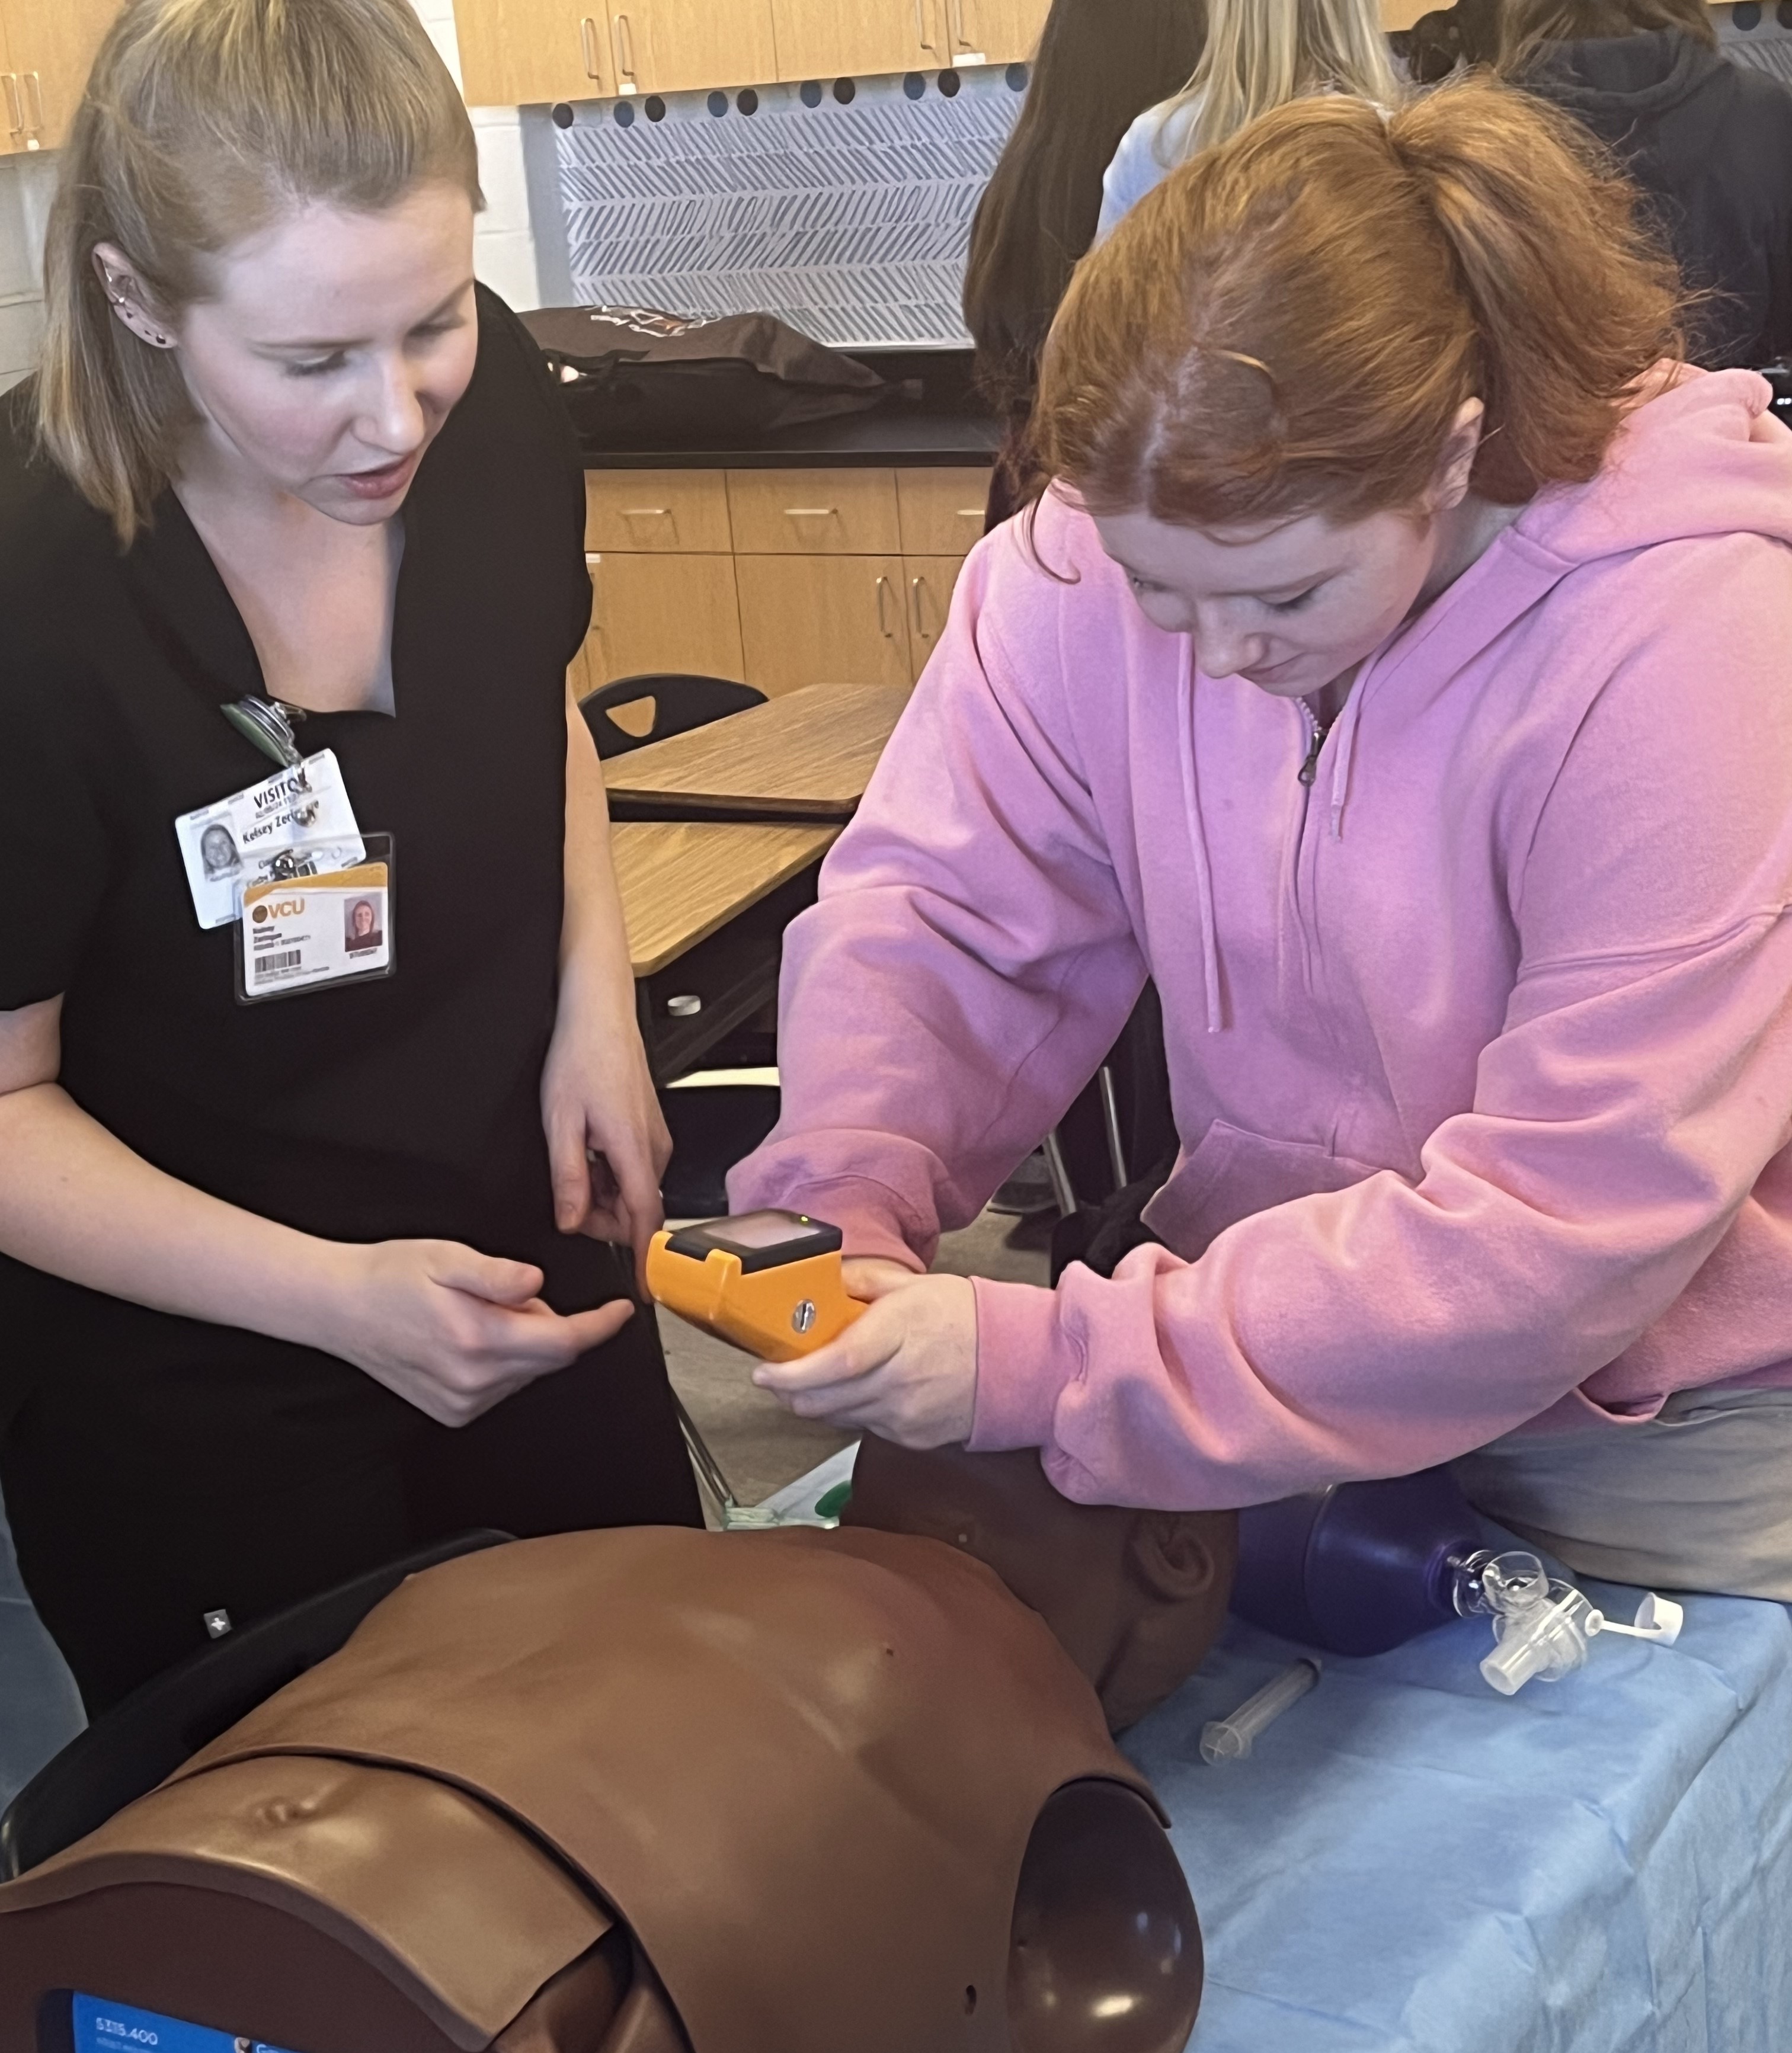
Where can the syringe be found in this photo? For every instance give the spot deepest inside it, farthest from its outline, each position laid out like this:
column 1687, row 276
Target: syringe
column 1230, row 1739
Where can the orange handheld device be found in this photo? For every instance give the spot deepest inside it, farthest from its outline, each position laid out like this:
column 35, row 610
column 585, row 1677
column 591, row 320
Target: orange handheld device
column 769, row 1282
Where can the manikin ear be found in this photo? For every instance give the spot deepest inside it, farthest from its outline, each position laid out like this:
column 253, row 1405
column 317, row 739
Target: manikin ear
column 1171, row 1554
column 1449, row 484
column 134, row 307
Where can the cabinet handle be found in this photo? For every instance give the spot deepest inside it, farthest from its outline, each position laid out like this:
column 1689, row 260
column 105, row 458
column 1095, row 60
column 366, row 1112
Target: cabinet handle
column 972, row 512
column 884, row 627
column 956, row 31
column 625, row 49
column 810, row 513
column 16, row 121
column 34, row 129
column 587, row 46
column 921, row 35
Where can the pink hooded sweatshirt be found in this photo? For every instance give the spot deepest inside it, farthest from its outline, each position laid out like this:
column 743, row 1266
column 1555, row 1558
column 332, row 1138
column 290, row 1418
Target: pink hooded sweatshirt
column 1480, row 1048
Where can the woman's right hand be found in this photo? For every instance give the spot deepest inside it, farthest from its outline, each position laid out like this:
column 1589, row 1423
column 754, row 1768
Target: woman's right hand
column 450, row 1330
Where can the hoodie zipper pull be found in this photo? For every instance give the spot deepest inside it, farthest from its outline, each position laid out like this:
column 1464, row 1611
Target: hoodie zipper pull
column 1310, row 768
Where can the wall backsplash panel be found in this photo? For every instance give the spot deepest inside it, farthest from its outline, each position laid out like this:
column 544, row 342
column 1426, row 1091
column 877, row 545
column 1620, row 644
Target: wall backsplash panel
column 851, row 220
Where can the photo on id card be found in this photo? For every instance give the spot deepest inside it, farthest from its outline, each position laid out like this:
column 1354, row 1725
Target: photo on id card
column 306, row 932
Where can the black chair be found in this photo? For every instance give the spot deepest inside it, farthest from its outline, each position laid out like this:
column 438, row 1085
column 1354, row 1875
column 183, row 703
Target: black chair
column 128, row 1750
column 679, row 703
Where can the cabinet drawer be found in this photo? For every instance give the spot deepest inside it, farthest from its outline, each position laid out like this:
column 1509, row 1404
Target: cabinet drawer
column 813, row 512
column 657, row 512
column 816, row 620
column 657, row 613
column 942, row 510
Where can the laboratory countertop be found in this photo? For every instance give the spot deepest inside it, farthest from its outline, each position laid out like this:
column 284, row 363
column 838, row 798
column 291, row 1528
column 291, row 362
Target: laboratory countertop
column 942, row 423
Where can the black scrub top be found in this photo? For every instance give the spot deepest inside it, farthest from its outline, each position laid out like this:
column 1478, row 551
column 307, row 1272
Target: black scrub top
column 404, row 1107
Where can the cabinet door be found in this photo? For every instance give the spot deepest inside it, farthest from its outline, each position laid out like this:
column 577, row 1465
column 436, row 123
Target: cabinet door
column 928, row 582
column 813, row 512
column 942, row 510
column 514, row 53
column 815, row 620
column 655, row 614
column 673, row 45
column 52, row 45
column 993, row 31
column 12, row 102
column 837, row 38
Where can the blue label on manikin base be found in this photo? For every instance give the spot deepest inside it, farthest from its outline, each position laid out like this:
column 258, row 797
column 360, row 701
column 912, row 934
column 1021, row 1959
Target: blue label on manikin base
column 100, row 2027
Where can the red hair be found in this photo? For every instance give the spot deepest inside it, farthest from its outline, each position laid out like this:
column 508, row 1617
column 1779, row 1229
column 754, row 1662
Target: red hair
column 1290, row 322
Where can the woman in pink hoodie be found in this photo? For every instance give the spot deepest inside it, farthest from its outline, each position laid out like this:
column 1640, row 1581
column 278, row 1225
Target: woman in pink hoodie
column 1400, row 671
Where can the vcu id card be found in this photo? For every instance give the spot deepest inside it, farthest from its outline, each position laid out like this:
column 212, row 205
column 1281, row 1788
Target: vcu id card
column 299, row 933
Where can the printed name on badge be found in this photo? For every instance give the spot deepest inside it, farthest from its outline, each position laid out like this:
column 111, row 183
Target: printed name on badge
column 254, row 836
column 317, row 930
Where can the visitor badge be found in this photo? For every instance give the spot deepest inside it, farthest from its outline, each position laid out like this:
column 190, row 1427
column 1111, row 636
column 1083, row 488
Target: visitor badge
column 296, row 934
column 255, row 836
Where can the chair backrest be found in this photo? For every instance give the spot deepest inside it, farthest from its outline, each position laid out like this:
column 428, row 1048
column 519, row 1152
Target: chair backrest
column 680, row 703
column 128, row 1750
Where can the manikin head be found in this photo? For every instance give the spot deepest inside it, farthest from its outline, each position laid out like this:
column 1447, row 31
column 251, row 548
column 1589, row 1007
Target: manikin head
column 1135, row 1598
column 259, row 265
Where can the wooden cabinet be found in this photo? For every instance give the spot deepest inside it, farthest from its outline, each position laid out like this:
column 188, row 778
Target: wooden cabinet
column 833, row 39
column 837, row 620
column 993, row 31
column 813, row 512
column 673, row 45
column 662, row 613
column 928, row 582
column 778, row 578
column 46, row 49
column 942, row 511
column 517, row 51
column 658, row 510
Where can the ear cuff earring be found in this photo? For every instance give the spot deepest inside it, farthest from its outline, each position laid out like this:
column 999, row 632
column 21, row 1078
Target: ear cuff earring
column 120, row 301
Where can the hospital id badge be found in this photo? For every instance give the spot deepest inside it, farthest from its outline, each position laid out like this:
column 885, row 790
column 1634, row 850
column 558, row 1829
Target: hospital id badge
column 299, row 816
column 302, row 933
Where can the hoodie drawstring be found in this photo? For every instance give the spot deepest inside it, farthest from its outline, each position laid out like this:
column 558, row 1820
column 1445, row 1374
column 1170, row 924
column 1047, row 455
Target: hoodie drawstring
column 1197, row 843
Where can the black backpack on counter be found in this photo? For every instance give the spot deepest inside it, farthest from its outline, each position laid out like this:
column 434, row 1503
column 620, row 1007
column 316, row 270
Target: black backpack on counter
column 634, row 378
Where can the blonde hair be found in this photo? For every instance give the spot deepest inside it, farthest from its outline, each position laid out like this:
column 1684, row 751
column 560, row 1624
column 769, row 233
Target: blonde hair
column 203, row 121
column 1262, row 53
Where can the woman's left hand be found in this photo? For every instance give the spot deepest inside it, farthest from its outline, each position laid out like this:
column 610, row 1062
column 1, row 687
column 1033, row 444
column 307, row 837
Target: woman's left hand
column 906, row 1369
column 608, row 1145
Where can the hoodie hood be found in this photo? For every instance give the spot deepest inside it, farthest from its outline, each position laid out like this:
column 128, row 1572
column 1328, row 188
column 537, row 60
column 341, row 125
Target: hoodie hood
column 1702, row 455
column 1613, row 82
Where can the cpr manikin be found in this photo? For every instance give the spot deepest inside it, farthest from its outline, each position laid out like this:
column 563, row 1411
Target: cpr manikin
column 644, row 1791
column 1136, row 1598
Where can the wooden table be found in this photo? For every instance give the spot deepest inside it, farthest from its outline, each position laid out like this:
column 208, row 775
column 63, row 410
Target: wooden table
column 706, row 904
column 801, row 756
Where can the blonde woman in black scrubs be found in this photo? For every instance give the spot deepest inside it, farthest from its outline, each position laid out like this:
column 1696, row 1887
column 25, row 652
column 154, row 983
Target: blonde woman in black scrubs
column 293, row 1285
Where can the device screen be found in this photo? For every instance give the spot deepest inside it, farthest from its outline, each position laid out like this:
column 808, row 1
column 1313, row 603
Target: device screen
column 757, row 1229
column 100, row 2026
column 762, row 1239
